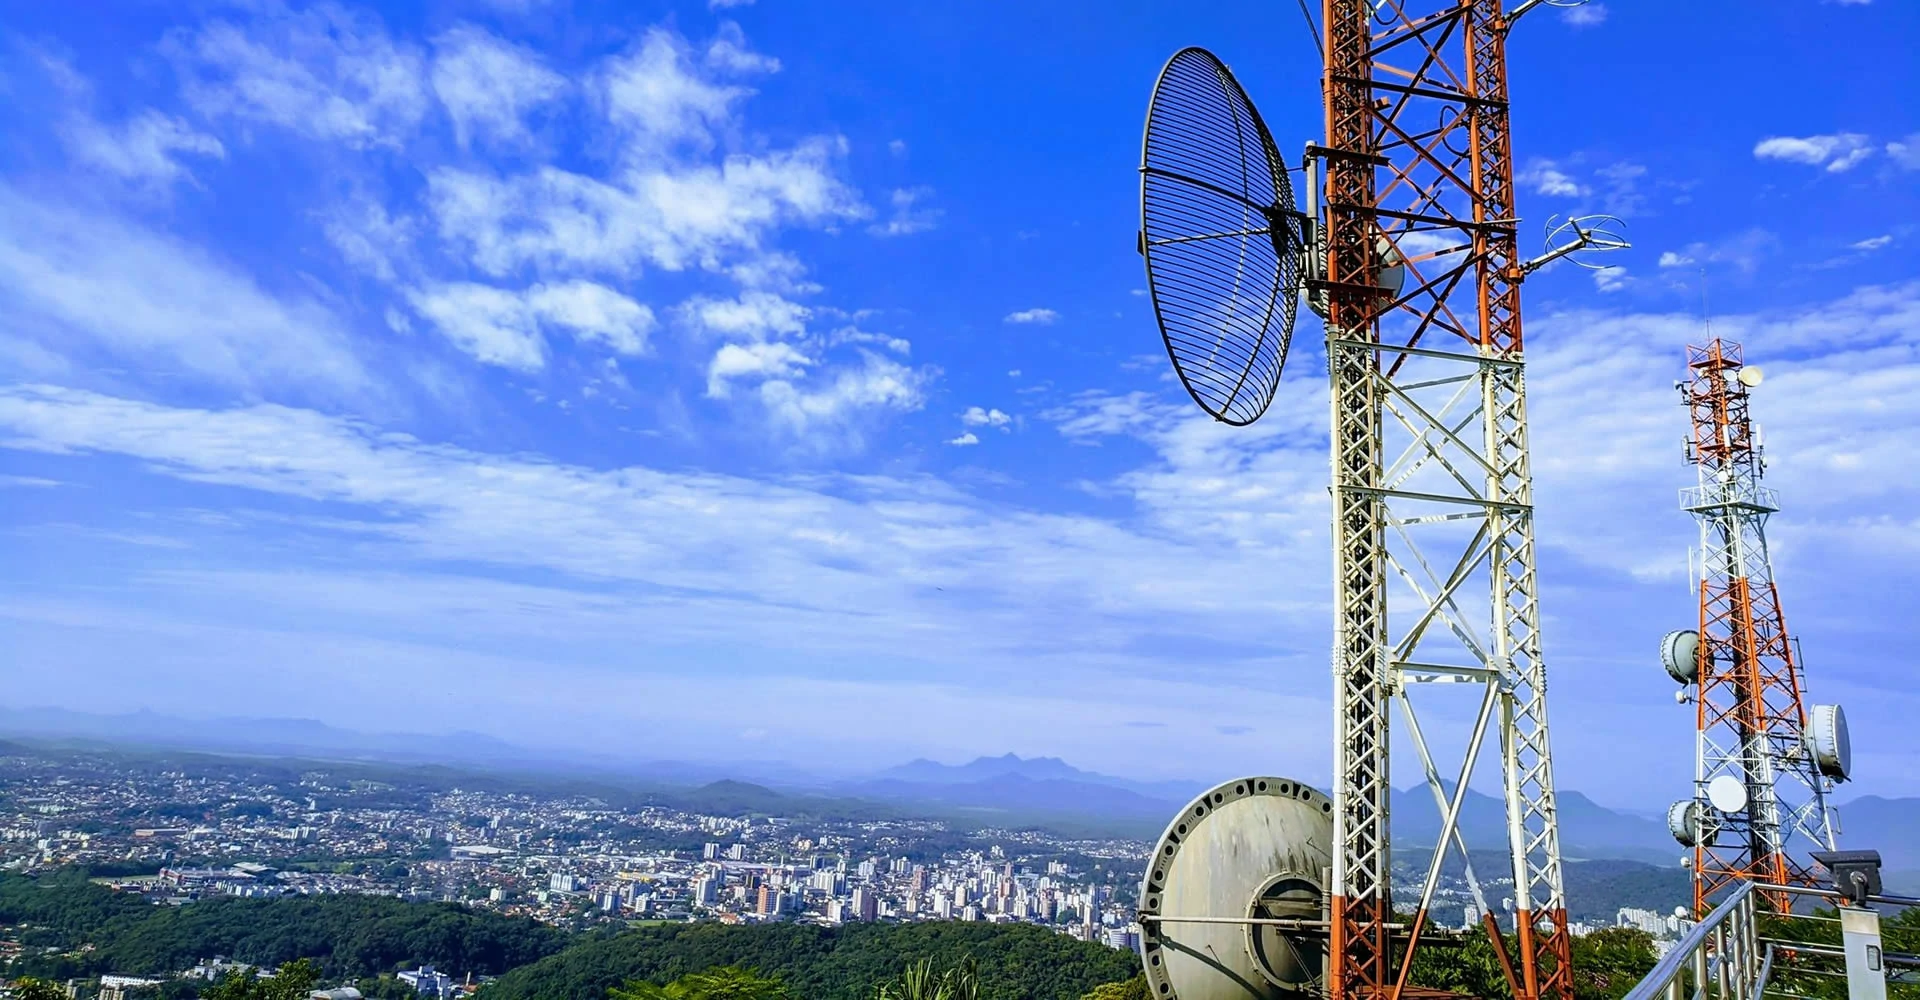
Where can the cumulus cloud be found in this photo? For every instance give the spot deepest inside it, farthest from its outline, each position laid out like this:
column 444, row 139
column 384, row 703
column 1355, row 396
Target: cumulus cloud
column 975, row 416
column 505, row 328
column 824, row 412
column 489, row 85
column 1837, row 153
column 752, row 314
column 762, row 361
column 965, row 439
column 1546, row 177
column 1037, row 316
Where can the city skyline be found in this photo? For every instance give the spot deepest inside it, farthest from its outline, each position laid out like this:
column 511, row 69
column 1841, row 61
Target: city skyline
column 700, row 382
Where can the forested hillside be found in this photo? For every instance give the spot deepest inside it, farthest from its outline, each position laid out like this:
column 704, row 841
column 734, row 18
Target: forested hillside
column 1016, row 961
column 345, row 935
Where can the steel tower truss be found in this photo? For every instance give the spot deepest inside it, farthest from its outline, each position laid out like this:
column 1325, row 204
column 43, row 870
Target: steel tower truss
column 1750, row 714
column 1432, row 490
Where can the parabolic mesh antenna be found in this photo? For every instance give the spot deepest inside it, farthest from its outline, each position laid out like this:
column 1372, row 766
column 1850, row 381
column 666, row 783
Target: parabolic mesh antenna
column 1231, row 903
column 1221, row 236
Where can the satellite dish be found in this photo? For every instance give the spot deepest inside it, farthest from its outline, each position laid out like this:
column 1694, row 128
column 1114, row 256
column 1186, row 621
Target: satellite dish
column 1221, row 236
column 1254, row 848
column 1393, row 269
column 1680, row 654
column 1750, row 376
column 1832, row 750
column 1727, row 793
column 1691, row 824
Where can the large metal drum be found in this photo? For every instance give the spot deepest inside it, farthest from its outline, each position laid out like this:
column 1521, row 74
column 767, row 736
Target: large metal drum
column 1248, row 851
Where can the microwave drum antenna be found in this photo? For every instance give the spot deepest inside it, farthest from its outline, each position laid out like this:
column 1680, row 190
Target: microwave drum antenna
column 1223, row 241
column 1231, row 907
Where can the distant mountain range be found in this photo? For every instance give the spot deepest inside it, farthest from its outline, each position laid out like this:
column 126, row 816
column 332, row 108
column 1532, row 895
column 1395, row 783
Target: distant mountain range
column 1008, row 789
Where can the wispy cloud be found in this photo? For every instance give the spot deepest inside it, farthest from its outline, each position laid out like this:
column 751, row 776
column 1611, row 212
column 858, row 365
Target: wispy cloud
column 1585, row 15
column 1838, row 153
column 489, row 85
column 94, row 285
column 910, row 215
column 1037, row 316
column 327, row 73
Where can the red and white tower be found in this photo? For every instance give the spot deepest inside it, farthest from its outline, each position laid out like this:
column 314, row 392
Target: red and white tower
column 1764, row 762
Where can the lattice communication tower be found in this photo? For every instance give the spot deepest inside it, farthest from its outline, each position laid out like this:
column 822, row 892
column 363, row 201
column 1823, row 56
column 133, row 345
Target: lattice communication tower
column 1763, row 762
column 1408, row 249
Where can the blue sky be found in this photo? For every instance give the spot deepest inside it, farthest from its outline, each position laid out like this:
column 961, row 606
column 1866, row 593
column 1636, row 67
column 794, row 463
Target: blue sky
column 773, row 381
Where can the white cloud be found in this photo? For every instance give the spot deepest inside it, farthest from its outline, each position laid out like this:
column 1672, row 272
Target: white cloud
column 1871, row 244
column 500, row 327
column 367, row 237
column 753, row 314
column 672, row 216
column 1744, row 250
column 726, row 4
column 1839, row 152
column 658, row 95
column 855, row 335
column 1586, row 15
column 1547, row 178
column 77, row 282
column 825, row 411
column 1013, row 373
column 729, row 52
column 1905, row 152
column 594, row 312
column 144, row 149
column 1039, row 316
column 491, row 324
column 965, row 439
column 909, row 216
column 898, row 147
column 830, row 569
column 326, row 73
column 489, row 85
column 762, row 361
column 1610, row 279
column 975, row 416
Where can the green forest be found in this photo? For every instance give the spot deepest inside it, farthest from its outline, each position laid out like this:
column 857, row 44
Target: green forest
column 70, row 927
column 1016, row 961
column 345, row 935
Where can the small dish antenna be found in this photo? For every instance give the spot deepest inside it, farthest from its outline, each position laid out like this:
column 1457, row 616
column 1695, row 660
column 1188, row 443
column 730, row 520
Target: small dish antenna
column 1680, row 654
column 1692, row 825
column 1832, row 749
column 1727, row 793
column 1750, row 376
column 1223, row 241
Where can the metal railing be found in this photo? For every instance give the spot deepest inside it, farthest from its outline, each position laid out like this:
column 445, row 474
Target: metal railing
column 1725, row 957
column 1719, row 958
